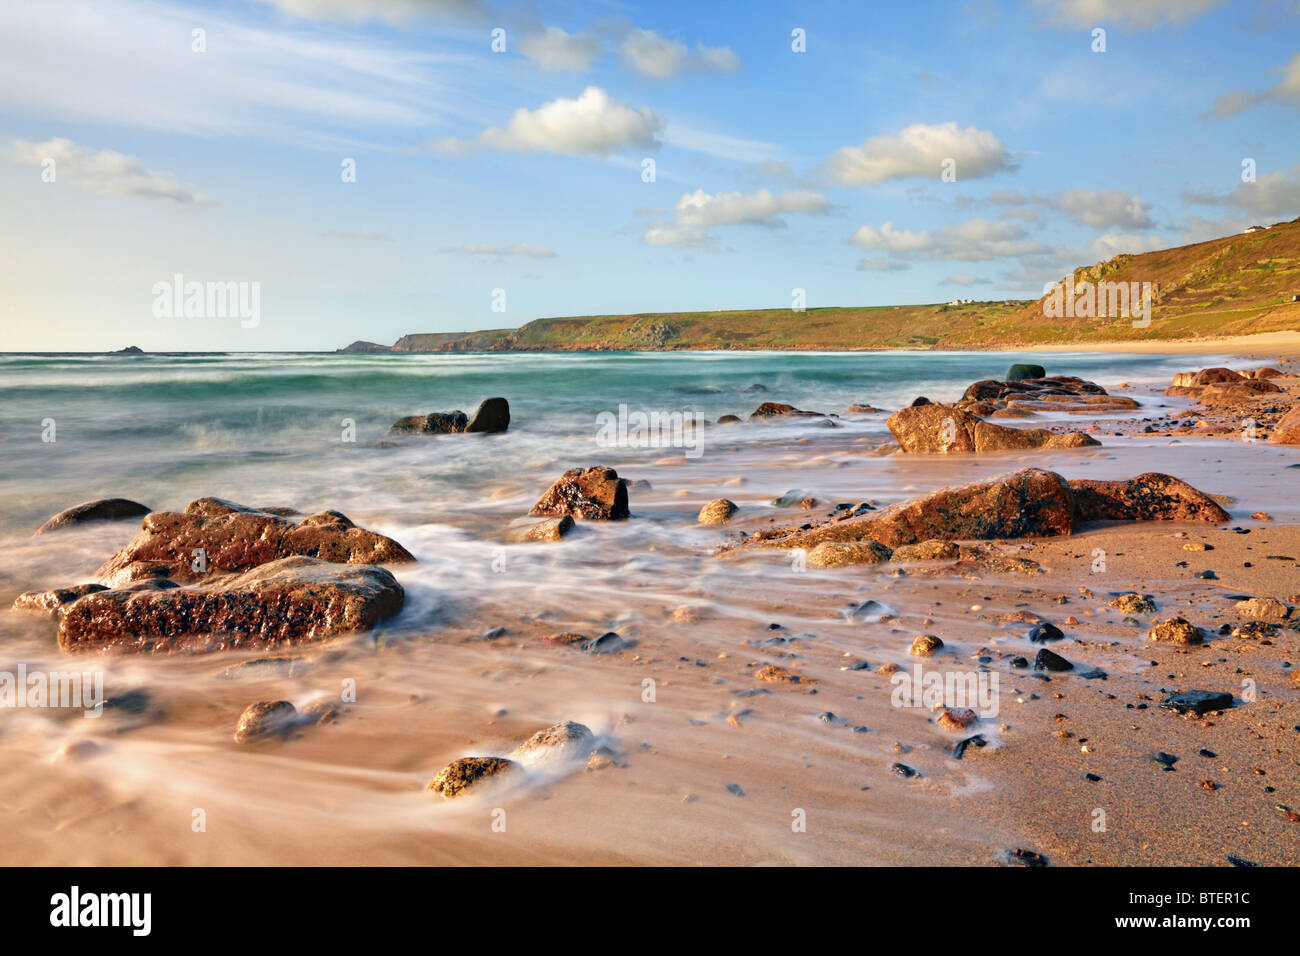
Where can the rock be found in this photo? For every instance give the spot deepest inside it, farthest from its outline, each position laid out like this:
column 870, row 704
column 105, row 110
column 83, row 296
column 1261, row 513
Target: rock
column 102, row 509
column 129, row 350
column 1029, row 503
column 780, row 675
column 553, row 529
column 1148, row 497
column 959, row 748
column 568, row 739
column 794, row 498
column 465, row 773
column 292, row 600
column 1270, row 610
column 52, row 602
column 919, row 401
column 1133, row 603
column 772, row 410
column 730, row 420
column 435, row 423
column 234, row 538
column 956, row 718
column 863, row 408
column 931, row 550
column 1018, row 372
column 831, row 554
column 925, row 645
column 945, row 429
column 266, row 718
column 1287, row 430
column 594, row 494
column 493, row 415
column 1042, row 633
column 1050, row 661
column 717, row 511
column 566, row 639
column 1198, row 702
column 607, row 643
column 1176, row 630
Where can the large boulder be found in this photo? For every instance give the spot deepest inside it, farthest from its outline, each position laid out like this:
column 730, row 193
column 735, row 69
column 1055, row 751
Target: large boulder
column 943, row 429
column 1148, row 497
column 1220, row 386
column 493, row 415
column 102, row 509
column 1032, row 503
column 595, row 494
column 435, row 423
column 294, row 600
column 231, row 538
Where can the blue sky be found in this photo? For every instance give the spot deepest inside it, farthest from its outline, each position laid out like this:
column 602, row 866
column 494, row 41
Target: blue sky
column 523, row 170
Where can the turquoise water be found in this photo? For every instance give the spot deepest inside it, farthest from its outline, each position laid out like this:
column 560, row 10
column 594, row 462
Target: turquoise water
column 164, row 427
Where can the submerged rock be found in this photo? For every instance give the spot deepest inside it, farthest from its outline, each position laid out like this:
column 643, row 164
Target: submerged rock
column 832, row 554
column 594, row 494
column 461, row 775
column 718, row 511
column 553, row 529
column 52, row 602
column 291, row 600
column 102, row 509
column 493, row 415
column 567, row 739
column 771, row 410
column 266, row 718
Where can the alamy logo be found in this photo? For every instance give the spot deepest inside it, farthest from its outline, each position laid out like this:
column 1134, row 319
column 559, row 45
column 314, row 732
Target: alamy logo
column 651, row 430
column 976, row 690
column 84, row 689
column 134, row 910
column 179, row 299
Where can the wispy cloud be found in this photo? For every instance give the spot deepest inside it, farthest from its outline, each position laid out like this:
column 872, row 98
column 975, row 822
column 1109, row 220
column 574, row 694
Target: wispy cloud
column 103, row 171
column 1285, row 92
column 699, row 211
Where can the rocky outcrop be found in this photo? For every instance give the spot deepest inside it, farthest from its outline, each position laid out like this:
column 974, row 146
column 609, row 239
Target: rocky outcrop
column 1176, row 630
column 102, row 509
column 53, row 602
column 945, row 429
column 1148, row 497
column 1221, row 386
column 1027, row 504
column 493, row 415
column 291, row 600
column 593, row 494
column 1020, row 398
column 770, row 411
column 214, row 535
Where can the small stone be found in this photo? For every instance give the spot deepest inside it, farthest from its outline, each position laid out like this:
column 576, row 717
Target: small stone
column 925, row 645
column 460, row 775
column 717, row 511
column 1049, row 661
column 266, row 718
column 1176, row 630
column 1198, row 702
column 1045, row 632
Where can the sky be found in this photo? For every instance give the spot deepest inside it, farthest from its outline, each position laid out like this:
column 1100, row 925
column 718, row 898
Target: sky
column 362, row 169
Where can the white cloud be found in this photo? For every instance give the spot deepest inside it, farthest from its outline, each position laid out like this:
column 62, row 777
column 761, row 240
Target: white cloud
column 1286, row 92
column 102, row 171
column 659, row 58
column 393, row 11
column 975, row 240
column 1272, row 195
column 1102, row 209
column 518, row 249
column 699, row 211
column 763, row 208
column 554, row 50
column 876, row 264
column 594, row 124
column 920, row 150
column 1142, row 14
